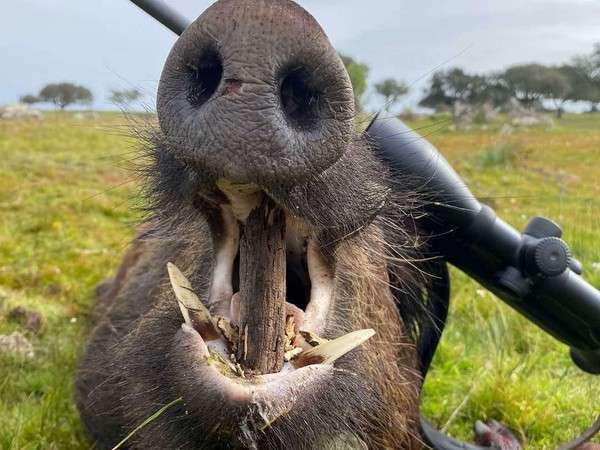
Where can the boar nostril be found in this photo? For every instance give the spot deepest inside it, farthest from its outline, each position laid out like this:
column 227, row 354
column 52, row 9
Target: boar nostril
column 299, row 100
column 205, row 77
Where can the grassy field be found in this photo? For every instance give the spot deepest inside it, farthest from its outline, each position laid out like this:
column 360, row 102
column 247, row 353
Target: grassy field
column 67, row 214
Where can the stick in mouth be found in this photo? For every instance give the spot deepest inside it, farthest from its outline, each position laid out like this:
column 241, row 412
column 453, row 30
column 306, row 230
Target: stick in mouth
column 197, row 316
column 258, row 334
column 263, row 289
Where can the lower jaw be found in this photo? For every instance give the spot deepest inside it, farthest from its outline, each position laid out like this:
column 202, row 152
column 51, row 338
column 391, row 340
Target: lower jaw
column 310, row 408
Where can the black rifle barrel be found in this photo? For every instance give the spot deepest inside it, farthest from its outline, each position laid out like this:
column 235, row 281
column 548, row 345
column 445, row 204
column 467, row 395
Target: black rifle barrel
column 164, row 14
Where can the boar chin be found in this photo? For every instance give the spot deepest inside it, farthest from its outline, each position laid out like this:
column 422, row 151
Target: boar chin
column 291, row 409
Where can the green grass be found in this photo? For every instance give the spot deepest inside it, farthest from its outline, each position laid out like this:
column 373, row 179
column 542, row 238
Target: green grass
column 492, row 362
column 66, row 216
column 502, row 155
column 65, row 219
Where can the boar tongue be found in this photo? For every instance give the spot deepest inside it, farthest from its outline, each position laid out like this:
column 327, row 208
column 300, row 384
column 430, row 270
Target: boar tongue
column 262, row 289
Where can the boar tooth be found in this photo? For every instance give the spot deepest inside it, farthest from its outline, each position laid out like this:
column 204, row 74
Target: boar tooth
column 328, row 352
column 186, row 298
column 321, row 276
column 229, row 332
column 195, row 314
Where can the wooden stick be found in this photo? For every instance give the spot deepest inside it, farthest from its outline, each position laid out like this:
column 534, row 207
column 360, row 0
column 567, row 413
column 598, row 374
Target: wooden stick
column 262, row 289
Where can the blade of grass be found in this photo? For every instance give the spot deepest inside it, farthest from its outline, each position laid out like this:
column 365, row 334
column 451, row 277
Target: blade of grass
column 147, row 421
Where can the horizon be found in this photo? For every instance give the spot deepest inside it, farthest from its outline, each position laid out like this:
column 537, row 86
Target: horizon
column 478, row 38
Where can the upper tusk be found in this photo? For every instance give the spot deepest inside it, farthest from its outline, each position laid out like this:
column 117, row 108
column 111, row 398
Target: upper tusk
column 195, row 314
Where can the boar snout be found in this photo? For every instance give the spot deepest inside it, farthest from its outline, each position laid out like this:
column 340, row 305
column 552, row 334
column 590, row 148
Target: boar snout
column 254, row 92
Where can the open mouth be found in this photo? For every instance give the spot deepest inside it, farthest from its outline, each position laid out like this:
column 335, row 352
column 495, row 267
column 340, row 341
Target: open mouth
column 256, row 338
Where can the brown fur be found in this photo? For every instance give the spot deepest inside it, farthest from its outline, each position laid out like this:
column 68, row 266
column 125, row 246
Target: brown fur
column 114, row 387
column 108, row 290
column 390, row 357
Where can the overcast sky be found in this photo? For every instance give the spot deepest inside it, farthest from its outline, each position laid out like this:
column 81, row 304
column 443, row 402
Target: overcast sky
column 107, row 44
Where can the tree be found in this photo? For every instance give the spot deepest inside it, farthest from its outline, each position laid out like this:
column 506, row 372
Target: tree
column 521, row 80
column 454, row 85
column 124, row 97
column 556, row 86
column 588, row 69
column 391, row 90
column 29, row 99
column 494, row 90
column 581, row 85
column 359, row 73
column 590, row 64
column 65, row 94
column 530, row 83
column 435, row 95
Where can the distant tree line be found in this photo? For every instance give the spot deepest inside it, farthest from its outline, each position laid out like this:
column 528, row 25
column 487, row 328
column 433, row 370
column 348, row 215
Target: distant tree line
column 528, row 84
column 124, row 97
column 65, row 94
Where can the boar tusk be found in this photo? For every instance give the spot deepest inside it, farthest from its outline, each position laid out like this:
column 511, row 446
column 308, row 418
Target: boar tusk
column 312, row 338
column 328, row 352
column 195, row 314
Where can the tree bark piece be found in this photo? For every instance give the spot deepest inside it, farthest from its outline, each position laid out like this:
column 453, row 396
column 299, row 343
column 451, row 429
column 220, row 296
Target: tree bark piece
column 262, row 290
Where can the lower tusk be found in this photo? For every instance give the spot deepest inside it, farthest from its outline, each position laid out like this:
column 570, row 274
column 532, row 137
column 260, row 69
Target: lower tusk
column 312, row 338
column 328, row 352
